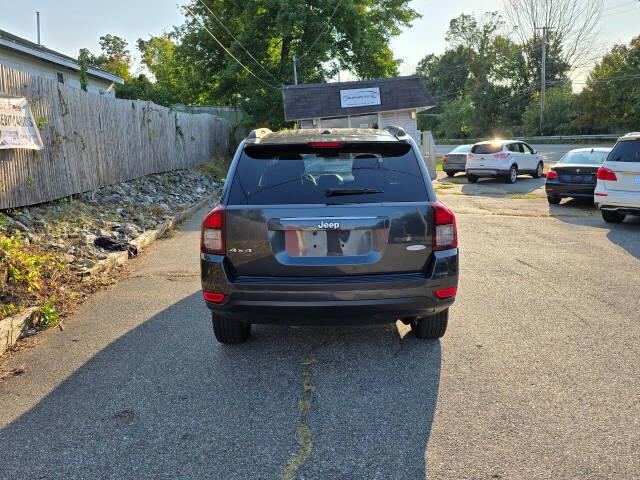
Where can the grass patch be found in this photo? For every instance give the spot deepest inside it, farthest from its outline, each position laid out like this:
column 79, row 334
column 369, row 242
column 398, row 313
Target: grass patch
column 456, row 180
column 439, row 164
column 444, row 186
column 525, row 196
column 216, row 167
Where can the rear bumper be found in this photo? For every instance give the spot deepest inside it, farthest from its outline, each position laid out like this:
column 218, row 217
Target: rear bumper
column 618, row 200
column 330, row 300
column 574, row 190
column 452, row 167
column 487, row 172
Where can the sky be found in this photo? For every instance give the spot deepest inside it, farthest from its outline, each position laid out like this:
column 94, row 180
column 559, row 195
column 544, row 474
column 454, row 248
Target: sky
column 68, row 25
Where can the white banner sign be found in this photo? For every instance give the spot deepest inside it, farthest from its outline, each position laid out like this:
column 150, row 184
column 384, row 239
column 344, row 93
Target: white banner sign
column 360, row 97
column 17, row 127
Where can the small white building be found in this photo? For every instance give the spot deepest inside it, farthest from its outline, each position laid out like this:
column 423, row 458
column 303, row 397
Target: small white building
column 362, row 104
column 26, row 56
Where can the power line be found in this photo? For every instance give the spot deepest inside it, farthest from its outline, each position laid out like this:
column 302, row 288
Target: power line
column 323, row 30
column 238, row 42
column 227, row 50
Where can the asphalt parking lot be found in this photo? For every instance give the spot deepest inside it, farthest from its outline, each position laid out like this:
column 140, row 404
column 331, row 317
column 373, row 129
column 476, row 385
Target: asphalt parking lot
column 536, row 377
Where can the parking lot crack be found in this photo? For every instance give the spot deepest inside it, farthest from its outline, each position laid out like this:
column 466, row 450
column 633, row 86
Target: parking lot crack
column 303, row 432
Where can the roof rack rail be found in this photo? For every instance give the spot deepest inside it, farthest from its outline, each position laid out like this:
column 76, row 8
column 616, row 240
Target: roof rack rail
column 396, row 131
column 259, row 133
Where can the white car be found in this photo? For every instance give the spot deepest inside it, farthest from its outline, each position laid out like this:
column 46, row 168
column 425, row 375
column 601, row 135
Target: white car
column 503, row 158
column 617, row 191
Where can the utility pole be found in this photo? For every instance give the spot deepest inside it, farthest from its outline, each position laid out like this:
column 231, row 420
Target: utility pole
column 38, row 26
column 543, row 75
column 295, row 72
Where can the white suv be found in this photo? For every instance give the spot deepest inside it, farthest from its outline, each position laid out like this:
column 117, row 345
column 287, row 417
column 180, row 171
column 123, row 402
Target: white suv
column 617, row 192
column 502, row 158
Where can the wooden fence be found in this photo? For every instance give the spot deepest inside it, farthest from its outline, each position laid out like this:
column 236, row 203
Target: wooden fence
column 92, row 141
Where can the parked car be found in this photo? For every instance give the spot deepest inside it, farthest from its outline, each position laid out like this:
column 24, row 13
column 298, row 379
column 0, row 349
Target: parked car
column 574, row 175
column 456, row 160
column 328, row 227
column 617, row 191
column 503, row 158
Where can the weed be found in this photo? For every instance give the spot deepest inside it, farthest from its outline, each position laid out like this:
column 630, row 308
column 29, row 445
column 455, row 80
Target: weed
column 48, row 314
column 42, row 122
column 22, row 267
column 7, row 310
column 303, row 432
column 525, row 196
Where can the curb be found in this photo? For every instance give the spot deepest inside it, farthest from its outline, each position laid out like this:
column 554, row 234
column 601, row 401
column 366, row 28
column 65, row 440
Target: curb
column 12, row 327
column 144, row 240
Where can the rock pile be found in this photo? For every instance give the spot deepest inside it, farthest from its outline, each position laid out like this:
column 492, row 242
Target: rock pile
column 69, row 227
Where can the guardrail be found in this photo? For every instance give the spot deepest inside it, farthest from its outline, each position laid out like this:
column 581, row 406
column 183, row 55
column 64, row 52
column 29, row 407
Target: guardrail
column 606, row 137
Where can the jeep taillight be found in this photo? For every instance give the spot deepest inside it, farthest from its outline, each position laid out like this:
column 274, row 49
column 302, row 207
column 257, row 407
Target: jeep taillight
column 212, row 233
column 445, row 233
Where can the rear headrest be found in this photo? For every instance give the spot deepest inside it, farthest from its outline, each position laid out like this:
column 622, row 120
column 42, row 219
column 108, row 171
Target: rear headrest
column 281, row 171
column 365, row 162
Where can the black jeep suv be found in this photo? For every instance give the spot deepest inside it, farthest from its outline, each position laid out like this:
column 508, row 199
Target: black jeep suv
column 328, row 227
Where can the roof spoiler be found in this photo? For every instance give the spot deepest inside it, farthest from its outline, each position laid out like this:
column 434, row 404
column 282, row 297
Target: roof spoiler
column 259, row 133
column 396, row 131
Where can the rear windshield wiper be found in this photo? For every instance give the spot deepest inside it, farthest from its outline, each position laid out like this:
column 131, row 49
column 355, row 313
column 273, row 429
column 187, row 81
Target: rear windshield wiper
column 333, row 192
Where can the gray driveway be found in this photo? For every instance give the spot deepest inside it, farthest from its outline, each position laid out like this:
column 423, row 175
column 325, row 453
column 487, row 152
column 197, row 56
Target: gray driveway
column 536, row 377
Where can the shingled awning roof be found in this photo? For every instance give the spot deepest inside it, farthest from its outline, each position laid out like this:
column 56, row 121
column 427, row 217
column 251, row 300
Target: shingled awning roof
column 322, row 100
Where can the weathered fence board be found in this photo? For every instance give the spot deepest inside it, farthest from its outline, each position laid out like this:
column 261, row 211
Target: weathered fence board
column 92, row 141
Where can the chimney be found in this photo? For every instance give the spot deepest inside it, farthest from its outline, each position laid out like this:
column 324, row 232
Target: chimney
column 38, row 23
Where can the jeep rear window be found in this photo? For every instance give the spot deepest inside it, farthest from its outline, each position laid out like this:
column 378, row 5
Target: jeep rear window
column 487, row 148
column 628, row 151
column 299, row 174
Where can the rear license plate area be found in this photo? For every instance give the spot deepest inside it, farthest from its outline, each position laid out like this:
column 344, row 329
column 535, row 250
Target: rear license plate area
column 328, row 243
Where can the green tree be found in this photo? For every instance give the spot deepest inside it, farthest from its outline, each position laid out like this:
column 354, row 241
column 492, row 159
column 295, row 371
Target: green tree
column 561, row 110
column 610, row 100
column 175, row 80
column 114, row 57
column 445, row 76
column 353, row 35
column 83, row 60
column 457, row 119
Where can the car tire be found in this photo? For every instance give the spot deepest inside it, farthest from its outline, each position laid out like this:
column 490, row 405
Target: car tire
column 472, row 178
column 539, row 171
column 230, row 331
column 450, row 174
column 612, row 217
column 431, row 327
column 512, row 176
column 553, row 200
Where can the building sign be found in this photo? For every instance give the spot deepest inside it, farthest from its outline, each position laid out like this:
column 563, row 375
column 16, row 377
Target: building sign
column 359, row 97
column 17, row 127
